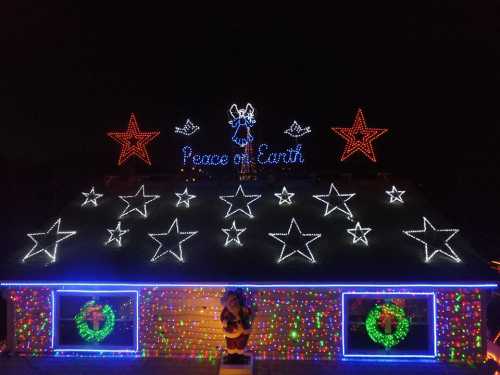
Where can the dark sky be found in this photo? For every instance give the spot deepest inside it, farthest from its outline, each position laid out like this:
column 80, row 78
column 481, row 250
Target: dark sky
column 428, row 71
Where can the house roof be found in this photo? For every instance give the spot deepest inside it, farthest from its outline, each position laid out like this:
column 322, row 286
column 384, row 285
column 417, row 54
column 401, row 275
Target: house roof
column 390, row 256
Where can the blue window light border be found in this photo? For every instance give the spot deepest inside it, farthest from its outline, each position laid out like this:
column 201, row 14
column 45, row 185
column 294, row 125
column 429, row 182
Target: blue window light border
column 55, row 315
column 388, row 356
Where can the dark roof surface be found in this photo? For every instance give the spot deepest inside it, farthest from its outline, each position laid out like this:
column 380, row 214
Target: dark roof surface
column 390, row 256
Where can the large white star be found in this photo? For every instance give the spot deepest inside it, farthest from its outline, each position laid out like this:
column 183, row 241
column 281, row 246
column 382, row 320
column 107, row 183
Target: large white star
column 359, row 234
column 395, row 195
column 91, row 197
column 134, row 202
column 434, row 240
column 285, row 197
column 184, row 198
column 48, row 241
column 233, row 234
column 339, row 201
column 161, row 239
column 116, row 234
column 244, row 200
column 296, row 242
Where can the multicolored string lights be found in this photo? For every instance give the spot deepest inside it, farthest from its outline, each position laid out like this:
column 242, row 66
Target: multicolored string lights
column 290, row 323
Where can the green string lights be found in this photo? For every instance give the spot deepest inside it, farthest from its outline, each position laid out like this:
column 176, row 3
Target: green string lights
column 389, row 310
column 95, row 313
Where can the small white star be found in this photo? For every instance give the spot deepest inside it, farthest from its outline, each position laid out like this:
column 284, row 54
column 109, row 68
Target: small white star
column 116, row 234
column 359, row 234
column 295, row 242
column 436, row 239
column 184, row 198
column 339, row 201
column 91, row 197
column 233, row 234
column 48, row 241
column 239, row 196
column 161, row 239
column 134, row 202
column 395, row 195
column 285, row 197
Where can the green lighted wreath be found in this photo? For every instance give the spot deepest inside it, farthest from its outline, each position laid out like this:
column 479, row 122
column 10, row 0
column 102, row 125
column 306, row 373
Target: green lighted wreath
column 95, row 335
column 385, row 339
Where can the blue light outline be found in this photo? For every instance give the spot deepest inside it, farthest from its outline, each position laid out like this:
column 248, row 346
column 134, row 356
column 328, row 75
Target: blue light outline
column 76, row 291
column 246, row 285
column 386, row 356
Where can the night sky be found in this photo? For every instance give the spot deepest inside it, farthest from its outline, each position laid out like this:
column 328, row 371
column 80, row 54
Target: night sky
column 428, row 71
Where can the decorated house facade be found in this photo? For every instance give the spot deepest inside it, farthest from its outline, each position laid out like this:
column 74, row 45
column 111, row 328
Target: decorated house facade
column 333, row 268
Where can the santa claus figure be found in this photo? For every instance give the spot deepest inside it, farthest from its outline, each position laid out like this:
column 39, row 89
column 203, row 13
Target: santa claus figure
column 236, row 324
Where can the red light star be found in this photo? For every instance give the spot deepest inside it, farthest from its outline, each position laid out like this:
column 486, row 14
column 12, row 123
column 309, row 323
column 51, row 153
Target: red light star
column 359, row 137
column 133, row 141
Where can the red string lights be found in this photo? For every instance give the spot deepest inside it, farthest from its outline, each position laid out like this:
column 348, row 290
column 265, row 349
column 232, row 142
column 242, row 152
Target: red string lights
column 359, row 137
column 133, row 141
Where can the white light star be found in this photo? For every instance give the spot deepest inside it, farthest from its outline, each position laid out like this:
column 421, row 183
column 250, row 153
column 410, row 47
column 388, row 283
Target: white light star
column 161, row 238
column 359, row 234
column 395, row 195
column 134, row 202
column 233, row 234
column 239, row 195
column 48, row 241
column 91, row 197
column 435, row 239
column 116, row 234
column 285, row 197
column 188, row 129
column 339, row 201
column 184, row 198
column 298, row 237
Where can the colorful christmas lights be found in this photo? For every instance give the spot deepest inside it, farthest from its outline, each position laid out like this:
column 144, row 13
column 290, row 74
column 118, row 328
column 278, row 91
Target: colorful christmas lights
column 284, row 197
column 289, row 324
column 395, row 195
column 359, row 234
column 359, row 137
column 460, row 328
column 296, row 130
column 32, row 320
column 233, row 234
column 48, row 242
column 133, row 141
column 134, row 202
column 96, row 313
column 184, row 198
column 188, row 129
column 337, row 201
column 115, row 235
column 390, row 310
column 91, row 197
column 242, row 120
column 242, row 200
column 296, row 242
column 161, row 239
column 435, row 239
column 300, row 322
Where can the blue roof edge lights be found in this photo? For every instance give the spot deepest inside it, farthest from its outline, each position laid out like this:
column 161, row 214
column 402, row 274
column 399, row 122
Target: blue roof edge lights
column 249, row 285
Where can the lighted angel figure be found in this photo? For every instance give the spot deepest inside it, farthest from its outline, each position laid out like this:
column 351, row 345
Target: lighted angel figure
column 242, row 121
